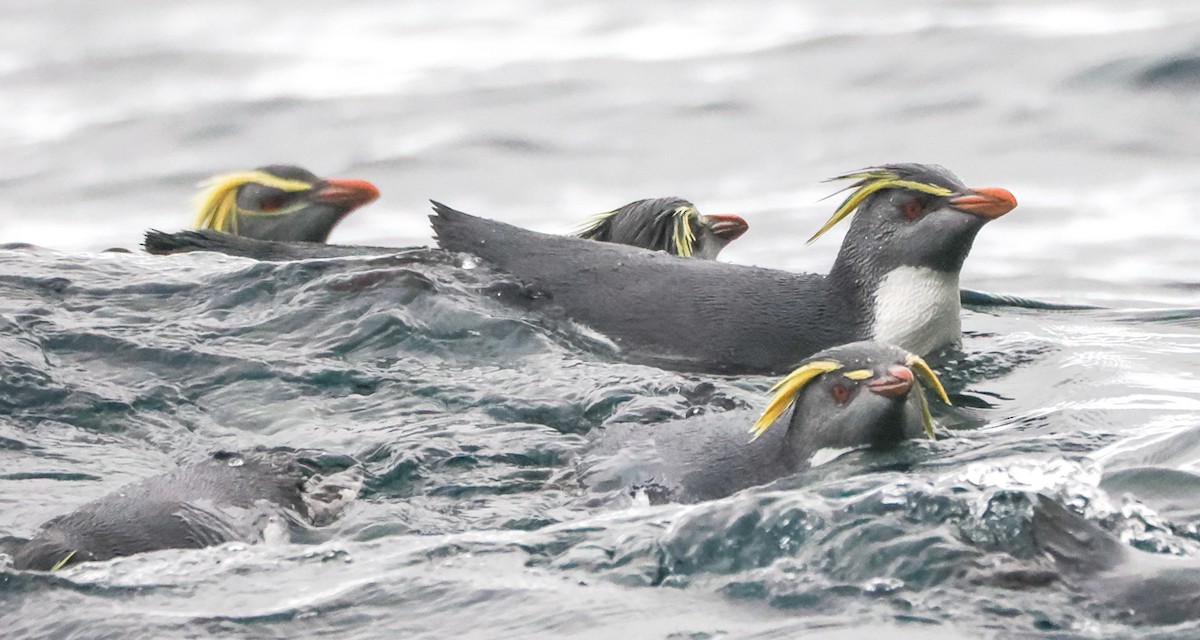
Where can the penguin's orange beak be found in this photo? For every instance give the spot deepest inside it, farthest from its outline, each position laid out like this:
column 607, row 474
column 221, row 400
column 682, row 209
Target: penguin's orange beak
column 988, row 202
column 342, row 192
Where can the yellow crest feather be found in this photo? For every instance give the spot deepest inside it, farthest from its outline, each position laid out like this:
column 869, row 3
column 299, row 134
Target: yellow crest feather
column 871, row 181
column 593, row 223
column 788, row 389
column 926, row 415
column 926, row 374
column 62, row 563
column 684, row 237
column 217, row 204
column 917, row 362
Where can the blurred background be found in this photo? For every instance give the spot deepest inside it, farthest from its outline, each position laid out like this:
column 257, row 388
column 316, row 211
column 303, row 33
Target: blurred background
column 542, row 112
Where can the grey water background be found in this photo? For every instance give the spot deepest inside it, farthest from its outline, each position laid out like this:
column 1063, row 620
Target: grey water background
column 472, row 416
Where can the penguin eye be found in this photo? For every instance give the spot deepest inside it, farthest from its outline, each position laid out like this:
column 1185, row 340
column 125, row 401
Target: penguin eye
column 840, row 393
column 912, row 209
column 271, row 203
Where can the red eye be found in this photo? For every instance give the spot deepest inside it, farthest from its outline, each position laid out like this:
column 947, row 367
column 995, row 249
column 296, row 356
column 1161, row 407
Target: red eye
column 912, row 209
column 274, row 203
column 840, row 393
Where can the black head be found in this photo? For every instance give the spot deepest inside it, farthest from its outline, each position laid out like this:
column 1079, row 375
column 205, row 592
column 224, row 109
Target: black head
column 667, row 224
column 914, row 215
column 280, row 202
column 853, row 395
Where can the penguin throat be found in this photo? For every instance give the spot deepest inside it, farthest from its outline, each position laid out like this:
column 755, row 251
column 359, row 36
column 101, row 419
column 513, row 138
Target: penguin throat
column 307, row 224
column 917, row 308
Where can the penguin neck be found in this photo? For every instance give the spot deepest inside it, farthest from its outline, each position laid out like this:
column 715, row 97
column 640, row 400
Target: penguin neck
column 913, row 307
column 308, row 225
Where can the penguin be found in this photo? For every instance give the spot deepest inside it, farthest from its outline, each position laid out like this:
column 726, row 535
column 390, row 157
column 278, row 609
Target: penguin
column 895, row 279
column 227, row 497
column 672, row 225
column 658, row 224
column 863, row 394
column 1120, row 582
column 280, row 202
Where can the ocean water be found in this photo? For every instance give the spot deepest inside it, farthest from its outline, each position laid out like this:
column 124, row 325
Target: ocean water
column 471, row 416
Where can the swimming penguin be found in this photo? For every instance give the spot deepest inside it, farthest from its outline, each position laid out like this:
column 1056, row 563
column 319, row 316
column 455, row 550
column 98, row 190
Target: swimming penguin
column 895, row 279
column 227, row 497
column 863, row 394
column 1121, row 582
column 280, row 202
column 666, row 224
column 659, row 224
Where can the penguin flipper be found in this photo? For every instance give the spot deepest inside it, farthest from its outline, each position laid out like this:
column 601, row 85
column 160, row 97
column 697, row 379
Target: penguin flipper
column 972, row 298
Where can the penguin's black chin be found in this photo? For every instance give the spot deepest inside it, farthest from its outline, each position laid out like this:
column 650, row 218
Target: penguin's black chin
column 313, row 223
column 889, row 433
column 889, row 426
column 956, row 226
column 953, row 233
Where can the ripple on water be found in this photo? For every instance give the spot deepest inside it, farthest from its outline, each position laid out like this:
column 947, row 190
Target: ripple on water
column 470, row 413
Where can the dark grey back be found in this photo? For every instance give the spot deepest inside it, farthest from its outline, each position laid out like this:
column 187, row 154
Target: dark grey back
column 704, row 457
column 663, row 309
column 162, row 243
column 195, row 506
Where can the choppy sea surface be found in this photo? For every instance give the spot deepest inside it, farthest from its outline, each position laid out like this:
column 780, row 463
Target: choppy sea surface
column 472, row 416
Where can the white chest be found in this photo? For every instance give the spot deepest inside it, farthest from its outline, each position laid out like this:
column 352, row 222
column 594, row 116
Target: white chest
column 917, row 308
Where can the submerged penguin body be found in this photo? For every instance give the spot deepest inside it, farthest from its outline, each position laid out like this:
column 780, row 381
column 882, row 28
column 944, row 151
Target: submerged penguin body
column 163, row 243
column 228, row 497
column 1124, row 583
column 704, row 457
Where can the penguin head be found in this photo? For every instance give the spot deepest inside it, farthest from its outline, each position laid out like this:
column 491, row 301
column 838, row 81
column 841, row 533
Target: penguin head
column 280, row 202
column 859, row 394
column 666, row 224
column 50, row 550
column 912, row 215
